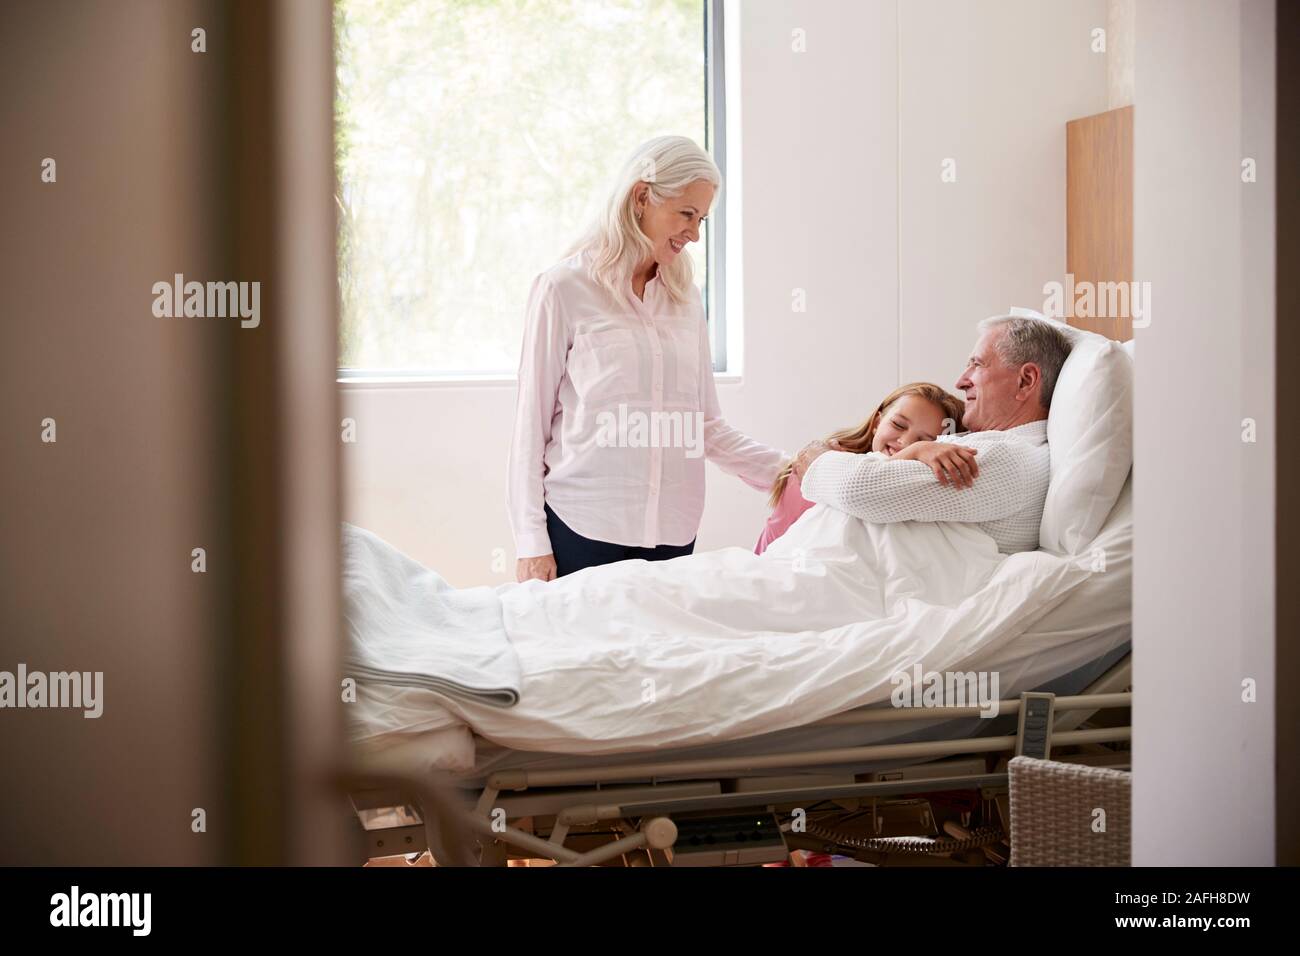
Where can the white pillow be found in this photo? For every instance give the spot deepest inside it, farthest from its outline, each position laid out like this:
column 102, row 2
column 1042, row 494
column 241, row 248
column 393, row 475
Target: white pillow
column 1090, row 436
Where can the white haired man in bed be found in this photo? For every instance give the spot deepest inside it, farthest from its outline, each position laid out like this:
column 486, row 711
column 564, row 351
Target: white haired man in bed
column 994, row 475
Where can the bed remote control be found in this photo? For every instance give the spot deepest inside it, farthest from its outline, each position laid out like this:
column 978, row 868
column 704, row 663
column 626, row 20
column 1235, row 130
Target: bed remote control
column 1034, row 737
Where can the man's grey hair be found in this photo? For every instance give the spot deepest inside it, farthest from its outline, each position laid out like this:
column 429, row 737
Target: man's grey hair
column 1026, row 340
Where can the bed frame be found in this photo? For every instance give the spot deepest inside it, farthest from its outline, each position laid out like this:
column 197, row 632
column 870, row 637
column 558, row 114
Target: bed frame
column 944, row 803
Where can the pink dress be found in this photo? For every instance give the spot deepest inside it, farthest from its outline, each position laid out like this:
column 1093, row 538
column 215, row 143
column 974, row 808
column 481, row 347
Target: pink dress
column 786, row 513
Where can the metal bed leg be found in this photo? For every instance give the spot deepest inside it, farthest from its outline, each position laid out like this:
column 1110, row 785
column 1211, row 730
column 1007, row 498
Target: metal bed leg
column 485, row 800
column 657, row 833
column 520, row 839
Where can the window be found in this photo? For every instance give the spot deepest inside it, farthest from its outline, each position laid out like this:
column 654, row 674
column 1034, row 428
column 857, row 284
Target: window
column 474, row 140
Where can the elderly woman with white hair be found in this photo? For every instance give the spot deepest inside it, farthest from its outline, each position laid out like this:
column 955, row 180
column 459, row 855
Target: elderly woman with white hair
column 617, row 409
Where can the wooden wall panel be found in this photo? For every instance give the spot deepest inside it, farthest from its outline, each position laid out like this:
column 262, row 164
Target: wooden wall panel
column 1099, row 209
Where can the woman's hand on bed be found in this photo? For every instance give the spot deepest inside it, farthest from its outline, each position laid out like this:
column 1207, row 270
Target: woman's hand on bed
column 810, row 453
column 951, row 464
column 542, row 568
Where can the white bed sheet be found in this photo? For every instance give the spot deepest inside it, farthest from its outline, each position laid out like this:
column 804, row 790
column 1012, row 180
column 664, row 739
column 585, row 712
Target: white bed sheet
column 750, row 650
column 469, row 759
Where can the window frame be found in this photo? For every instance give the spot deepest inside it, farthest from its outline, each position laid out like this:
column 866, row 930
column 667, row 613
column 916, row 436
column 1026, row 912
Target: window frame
column 715, row 142
column 715, row 298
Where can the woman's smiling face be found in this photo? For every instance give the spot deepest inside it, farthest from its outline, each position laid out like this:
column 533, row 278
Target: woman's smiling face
column 675, row 223
column 910, row 419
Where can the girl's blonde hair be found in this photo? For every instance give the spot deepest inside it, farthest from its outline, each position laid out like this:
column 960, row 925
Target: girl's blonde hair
column 858, row 440
column 667, row 165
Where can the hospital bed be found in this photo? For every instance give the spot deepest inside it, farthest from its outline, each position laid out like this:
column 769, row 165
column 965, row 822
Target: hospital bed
column 877, row 784
column 882, row 785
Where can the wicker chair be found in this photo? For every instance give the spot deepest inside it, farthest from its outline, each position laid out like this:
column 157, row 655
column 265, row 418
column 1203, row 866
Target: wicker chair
column 1055, row 819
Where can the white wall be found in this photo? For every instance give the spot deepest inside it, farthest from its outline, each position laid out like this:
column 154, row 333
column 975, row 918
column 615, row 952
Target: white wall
column 840, row 149
column 1203, row 596
column 991, row 86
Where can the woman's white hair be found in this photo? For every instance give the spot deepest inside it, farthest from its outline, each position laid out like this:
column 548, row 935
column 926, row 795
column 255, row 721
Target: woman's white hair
column 667, row 164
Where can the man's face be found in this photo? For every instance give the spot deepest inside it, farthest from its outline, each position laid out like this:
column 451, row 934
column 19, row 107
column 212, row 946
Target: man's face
column 990, row 385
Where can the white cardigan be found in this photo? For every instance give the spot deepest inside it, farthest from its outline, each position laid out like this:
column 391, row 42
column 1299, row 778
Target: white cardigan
column 1005, row 501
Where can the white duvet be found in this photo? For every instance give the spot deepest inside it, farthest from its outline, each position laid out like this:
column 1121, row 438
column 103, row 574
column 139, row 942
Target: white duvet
column 726, row 644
